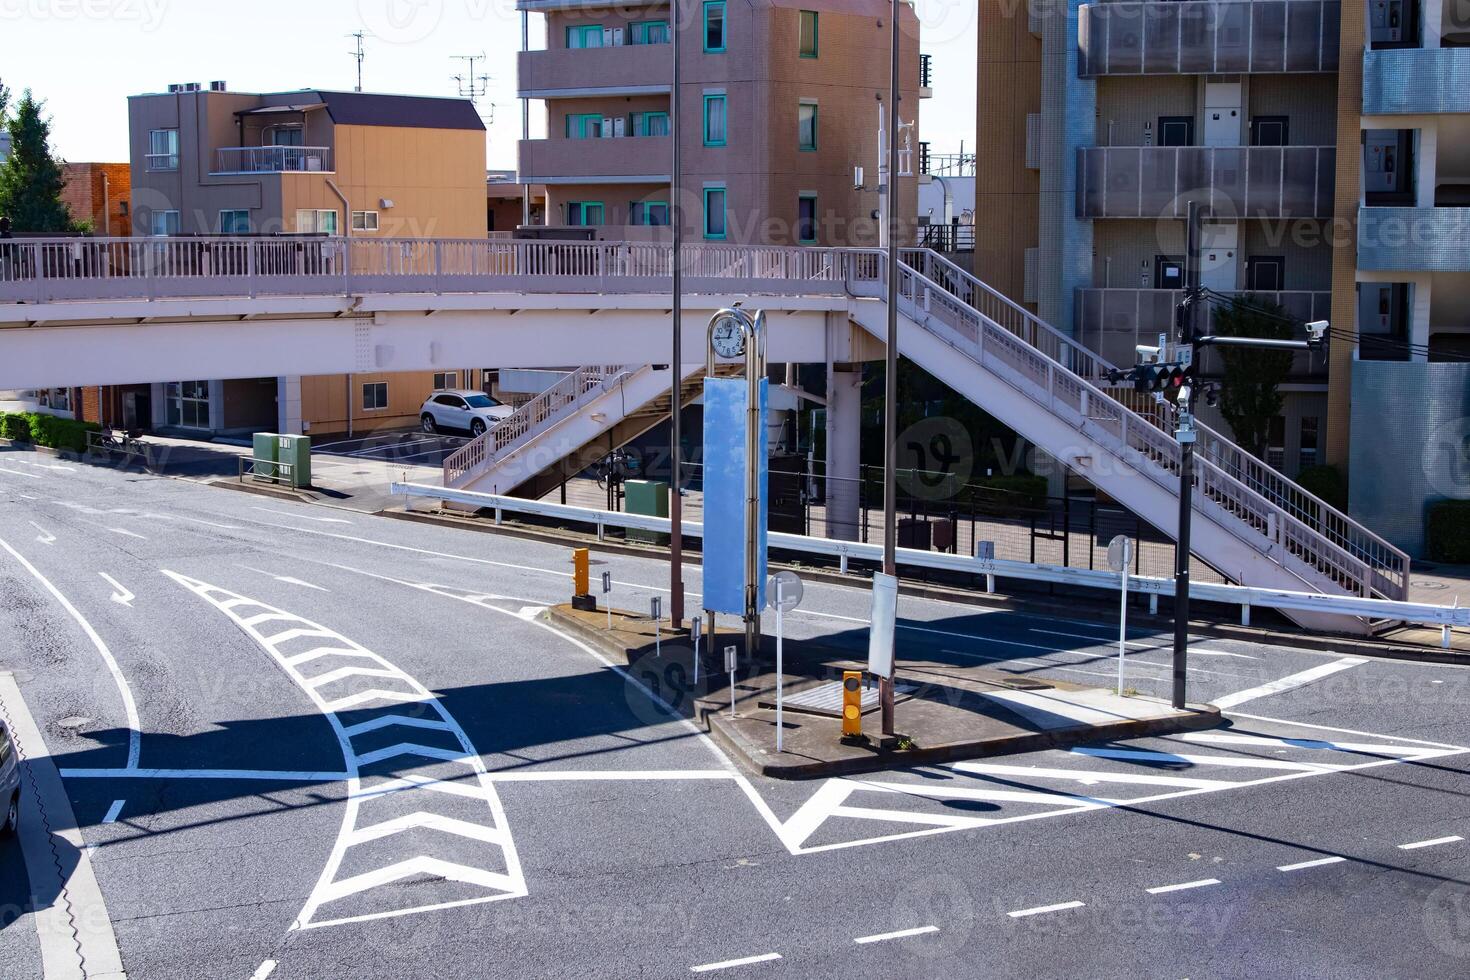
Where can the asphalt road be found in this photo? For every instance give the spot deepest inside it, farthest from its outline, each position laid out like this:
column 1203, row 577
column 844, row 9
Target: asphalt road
column 305, row 742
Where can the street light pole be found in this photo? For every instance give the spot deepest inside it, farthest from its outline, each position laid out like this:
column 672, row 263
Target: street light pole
column 1188, row 314
column 890, row 376
column 676, row 363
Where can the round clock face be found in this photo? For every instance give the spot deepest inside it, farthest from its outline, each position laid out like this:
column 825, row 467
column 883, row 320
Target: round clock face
column 729, row 339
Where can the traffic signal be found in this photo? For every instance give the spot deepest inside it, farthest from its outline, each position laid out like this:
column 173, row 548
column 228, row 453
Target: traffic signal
column 1158, row 377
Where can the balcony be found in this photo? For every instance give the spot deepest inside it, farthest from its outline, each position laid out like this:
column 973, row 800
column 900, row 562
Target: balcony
column 613, row 160
column 1198, row 38
column 1414, row 239
column 1234, row 181
column 1416, row 80
column 564, row 73
column 273, row 159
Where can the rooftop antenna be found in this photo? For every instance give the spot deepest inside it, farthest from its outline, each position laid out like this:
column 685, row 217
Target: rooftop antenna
column 358, row 55
column 471, row 86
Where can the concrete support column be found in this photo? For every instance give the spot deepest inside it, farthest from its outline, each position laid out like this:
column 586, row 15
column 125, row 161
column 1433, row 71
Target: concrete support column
column 1426, row 165
column 288, row 405
column 1421, row 301
column 844, row 451
column 1431, row 16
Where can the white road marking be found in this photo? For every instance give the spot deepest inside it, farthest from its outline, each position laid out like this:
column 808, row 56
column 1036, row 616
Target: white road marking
column 114, row 811
column 196, row 520
column 48, row 466
column 1139, row 645
column 266, row 775
column 27, row 496
column 121, row 596
column 264, row 970
column 1316, row 863
column 1089, row 777
column 1287, row 683
column 331, row 886
column 1040, row 909
column 124, row 531
column 1365, row 748
column 1184, row 886
column 743, row 961
column 900, row 934
column 129, row 708
column 45, row 537
column 1454, row 749
column 1230, row 761
column 28, row 476
column 1430, row 843
column 303, row 517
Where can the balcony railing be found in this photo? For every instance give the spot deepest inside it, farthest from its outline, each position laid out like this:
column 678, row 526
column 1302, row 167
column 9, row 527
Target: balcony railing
column 273, row 159
column 628, row 69
column 162, row 161
column 616, row 159
column 1414, row 239
column 1234, row 181
column 1416, row 80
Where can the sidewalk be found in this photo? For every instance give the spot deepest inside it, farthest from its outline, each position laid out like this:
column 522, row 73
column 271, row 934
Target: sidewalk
column 945, row 712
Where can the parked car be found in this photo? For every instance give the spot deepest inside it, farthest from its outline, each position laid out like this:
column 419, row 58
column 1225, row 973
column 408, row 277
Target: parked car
column 471, row 411
column 9, row 783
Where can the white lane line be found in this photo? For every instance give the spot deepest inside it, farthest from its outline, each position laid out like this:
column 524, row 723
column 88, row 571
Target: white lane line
column 45, row 537
column 129, row 708
column 1229, row 761
column 121, row 596
column 1042, row 909
column 264, row 970
column 1088, row 777
column 302, row 517
column 1353, row 731
column 1360, row 748
column 196, row 520
column 114, row 811
column 1316, row 863
column 1139, row 645
column 1184, row 886
column 900, row 934
column 125, row 532
column 1288, row 682
column 266, row 775
column 727, row 964
column 1430, row 843
column 29, row 476
column 287, row 579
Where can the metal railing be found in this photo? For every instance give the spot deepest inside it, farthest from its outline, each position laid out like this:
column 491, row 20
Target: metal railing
column 926, row 71
column 273, row 159
column 269, row 470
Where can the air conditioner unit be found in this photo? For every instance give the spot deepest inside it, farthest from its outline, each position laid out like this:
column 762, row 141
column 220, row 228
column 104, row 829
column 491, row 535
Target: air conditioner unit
column 192, row 87
column 174, row 88
column 217, row 86
column 313, row 163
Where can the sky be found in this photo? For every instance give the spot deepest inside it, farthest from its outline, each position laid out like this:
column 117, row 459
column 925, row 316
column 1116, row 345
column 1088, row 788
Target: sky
column 85, row 57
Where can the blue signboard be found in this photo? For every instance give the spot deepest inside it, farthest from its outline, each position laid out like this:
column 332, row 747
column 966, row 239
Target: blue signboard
column 725, row 401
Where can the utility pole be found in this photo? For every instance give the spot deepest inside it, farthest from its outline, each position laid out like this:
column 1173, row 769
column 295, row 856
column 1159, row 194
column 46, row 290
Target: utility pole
column 359, row 54
column 676, row 363
column 525, row 118
column 890, row 376
column 471, row 86
column 1188, row 323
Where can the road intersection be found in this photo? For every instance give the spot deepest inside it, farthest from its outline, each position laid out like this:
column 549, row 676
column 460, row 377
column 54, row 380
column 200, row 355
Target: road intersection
column 311, row 742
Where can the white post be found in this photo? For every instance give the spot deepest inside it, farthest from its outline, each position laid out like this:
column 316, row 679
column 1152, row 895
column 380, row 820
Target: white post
column 780, row 665
column 1122, row 624
column 694, row 628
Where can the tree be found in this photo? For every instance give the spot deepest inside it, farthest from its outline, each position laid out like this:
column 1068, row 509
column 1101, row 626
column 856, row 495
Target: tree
column 31, row 178
column 1250, row 395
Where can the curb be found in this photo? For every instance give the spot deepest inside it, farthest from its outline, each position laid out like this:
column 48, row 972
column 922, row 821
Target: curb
column 266, row 491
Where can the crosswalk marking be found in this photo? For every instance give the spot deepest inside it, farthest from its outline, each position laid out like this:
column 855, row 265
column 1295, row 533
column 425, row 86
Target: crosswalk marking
column 334, row 885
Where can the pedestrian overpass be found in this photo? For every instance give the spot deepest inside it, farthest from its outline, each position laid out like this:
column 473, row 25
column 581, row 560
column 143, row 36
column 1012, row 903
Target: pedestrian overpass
column 97, row 311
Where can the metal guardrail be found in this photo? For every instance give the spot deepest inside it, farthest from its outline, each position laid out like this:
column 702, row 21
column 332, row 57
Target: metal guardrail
column 120, row 444
column 276, row 472
column 1245, row 597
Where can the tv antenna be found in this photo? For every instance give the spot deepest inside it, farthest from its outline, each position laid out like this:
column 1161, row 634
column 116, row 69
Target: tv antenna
column 358, row 55
column 471, row 85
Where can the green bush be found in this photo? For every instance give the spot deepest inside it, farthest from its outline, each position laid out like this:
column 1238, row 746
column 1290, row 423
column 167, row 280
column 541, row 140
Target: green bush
column 1448, row 531
column 46, row 430
column 1325, row 482
column 15, row 426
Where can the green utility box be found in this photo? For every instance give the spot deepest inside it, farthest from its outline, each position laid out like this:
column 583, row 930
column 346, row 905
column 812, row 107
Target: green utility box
column 265, row 457
column 295, row 452
column 651, row 499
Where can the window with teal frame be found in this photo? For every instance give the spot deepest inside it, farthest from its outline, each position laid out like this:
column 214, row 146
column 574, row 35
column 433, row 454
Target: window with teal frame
column 589, row 36
column 716, row 120
column 584, row 126
column 716, row 218
column 808, row 42
column 649, row 32
column 806, row 219
column 806, row 127
column 585, row 213
column 714, row 26
column 653, row 213
column 650, row 124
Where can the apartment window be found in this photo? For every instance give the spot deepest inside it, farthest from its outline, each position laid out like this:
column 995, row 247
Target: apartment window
column 374, row 396
column 164, row 223
column 364, row 221
column 585, row 213
column 1307, row 452
column 1269, row 131
column 806, row 218
column 1276, row 443
column 649, row 213
column 316, row 222
column 714, row 26
column 808, row 47
column 650, row 123
column 1176, row 130
column 445, row 380
column 715, row 217
column 235, row 221
column 716, row 121
column 1265, row 273
column 806, row 127
column 650, row 32
column 163, row 149
column 56, row 399
column 584, row 126
column 285, row 136
column 589, row 36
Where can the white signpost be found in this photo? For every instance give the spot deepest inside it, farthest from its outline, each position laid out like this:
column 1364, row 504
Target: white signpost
column 696, row 626
column 882, row 623
column 654, row 613
column 607, row 590
column 730, row 669
column 1120, row 556
column 784, row 592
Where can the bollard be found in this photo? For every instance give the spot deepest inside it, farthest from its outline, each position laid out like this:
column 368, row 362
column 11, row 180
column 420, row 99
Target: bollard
column 582, row 597
column 852, row 704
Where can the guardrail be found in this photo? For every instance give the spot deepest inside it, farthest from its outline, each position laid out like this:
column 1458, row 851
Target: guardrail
column 276, row 472
column 1247, row 598
column 120, row 444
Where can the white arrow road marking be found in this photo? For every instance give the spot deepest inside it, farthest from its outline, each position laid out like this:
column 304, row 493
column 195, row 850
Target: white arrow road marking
column 45, row 537
column 398, row 687
column 122, row 596
column 302, row 517
column 1287, row 683
column 129, row 708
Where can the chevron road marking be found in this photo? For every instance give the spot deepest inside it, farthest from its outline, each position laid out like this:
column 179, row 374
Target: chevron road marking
column 397, row 688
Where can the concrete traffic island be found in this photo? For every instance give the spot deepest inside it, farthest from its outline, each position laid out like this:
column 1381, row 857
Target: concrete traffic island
column 946, row 711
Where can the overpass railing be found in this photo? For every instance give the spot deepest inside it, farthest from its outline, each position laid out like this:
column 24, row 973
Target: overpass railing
column 102, row 269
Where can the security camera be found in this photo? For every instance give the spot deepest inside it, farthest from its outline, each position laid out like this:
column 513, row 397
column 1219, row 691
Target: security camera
column 1148, row 354
column 1317, row 329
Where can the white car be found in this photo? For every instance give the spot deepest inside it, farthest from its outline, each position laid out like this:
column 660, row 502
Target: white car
column 474, row 411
